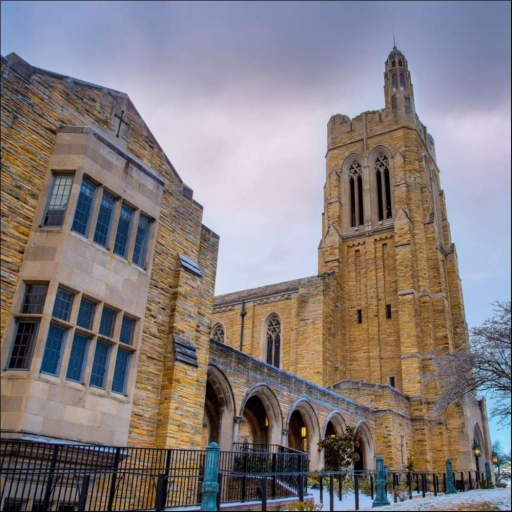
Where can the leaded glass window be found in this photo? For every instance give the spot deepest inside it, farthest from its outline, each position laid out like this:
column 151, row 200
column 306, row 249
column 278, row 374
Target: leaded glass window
column 23, row 346
column 273, row 340
column 86, row 314
column 356, row 194
column 53, row 350
column 84, row 207
column 217, row 333
column 127, row 329
column 77, row 358
column 394, row 81
column 58, row 202
column 121, row 371
column 402, row 81
column 63, row 303
column 124, row 228
column 104, row 222
column 100, row 365
column 141, row 241
column 383, row 187
column 35, row 295
column 107, row 323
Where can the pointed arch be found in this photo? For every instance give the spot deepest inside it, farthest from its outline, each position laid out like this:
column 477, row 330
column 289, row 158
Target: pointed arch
column 353, row 197
column 218, row 332
column 219, row 408
column 337, row 421
column 310, row 419
column 272, row 336
column 272, row 410
column 381, row 180
column 367, row 448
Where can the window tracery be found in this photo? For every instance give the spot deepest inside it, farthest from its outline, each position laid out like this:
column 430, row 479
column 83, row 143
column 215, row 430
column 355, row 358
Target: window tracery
column 356, row 194
column 273, row 340
column 217, row 333
column 383, row 187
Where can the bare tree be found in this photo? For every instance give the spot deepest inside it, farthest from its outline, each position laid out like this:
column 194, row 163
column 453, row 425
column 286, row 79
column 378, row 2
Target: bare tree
column 481, row 366
column 501, row 462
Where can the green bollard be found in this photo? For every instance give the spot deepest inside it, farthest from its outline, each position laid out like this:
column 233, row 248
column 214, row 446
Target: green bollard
column 381, row 499
column 450, row 488
column 488, row 475
column 211, row 476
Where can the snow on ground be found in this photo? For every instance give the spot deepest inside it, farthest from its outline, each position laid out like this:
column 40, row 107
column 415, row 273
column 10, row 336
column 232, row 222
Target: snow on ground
column 500, row 497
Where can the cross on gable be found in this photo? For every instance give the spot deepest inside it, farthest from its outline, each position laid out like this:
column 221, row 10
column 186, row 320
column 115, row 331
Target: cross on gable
column 121, row 121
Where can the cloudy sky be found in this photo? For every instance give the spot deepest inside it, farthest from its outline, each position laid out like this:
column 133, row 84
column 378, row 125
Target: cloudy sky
column 239, row 95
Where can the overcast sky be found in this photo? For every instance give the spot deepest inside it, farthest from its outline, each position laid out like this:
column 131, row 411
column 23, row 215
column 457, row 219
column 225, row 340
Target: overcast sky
column 239, row 95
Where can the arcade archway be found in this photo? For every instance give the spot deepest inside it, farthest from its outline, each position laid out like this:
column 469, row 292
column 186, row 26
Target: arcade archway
column 365, row 449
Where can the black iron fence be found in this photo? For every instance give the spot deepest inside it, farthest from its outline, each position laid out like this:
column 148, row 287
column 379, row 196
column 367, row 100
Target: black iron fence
column 62, row 477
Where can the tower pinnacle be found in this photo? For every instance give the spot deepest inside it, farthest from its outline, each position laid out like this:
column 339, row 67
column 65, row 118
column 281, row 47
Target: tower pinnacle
column 397, row 78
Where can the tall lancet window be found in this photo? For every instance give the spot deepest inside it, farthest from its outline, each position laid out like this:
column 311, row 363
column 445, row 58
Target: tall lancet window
column 217, row 333
column 356, row 194
column 394, row 81
column 402, row 81
column 273, row 340
column 383, row 187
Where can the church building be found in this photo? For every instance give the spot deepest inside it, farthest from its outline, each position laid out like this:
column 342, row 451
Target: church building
column 111, row 333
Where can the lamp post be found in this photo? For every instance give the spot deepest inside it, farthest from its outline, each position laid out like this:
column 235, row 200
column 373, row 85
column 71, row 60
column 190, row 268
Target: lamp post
column 477, row 451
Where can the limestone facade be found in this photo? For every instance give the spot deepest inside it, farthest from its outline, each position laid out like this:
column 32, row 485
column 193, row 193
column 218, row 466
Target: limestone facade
column 152, row 271
column 387, row 293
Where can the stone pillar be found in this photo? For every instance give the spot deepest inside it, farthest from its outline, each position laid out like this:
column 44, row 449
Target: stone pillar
column 211, row 478
column 450, row 488
column 381, row 499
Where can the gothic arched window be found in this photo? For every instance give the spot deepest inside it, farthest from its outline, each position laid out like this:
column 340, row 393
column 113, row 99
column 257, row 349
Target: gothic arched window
column 393, row 64
column 402, row 81
column 273, row 340
column 217, row 333
column 383, row 187
column 400, row 63
column 394, row 81
column 356, row 194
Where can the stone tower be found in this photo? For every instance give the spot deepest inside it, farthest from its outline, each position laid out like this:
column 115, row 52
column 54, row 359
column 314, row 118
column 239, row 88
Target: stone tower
column 386, row 236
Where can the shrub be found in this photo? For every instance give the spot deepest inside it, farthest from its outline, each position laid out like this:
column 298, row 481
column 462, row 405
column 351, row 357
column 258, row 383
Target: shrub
column 365, row 486
column 340, row 450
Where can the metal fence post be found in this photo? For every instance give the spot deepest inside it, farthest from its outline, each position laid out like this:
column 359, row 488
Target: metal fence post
column 211, row 476
column 48, row 491
column 263, row 495
column 381, row 498
column 449, row 487
column 423, row 483
column 321, row 489
column 371, row 485
column 356, row 489
column 331, row 492
column 409, row 483
column 301, row 487
column 83, row 493
column 219, row 494
column 274, row 470
column 112, row 492
column 160, row 489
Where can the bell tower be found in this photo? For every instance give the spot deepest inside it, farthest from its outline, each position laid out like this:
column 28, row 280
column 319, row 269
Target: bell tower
column 386, row 237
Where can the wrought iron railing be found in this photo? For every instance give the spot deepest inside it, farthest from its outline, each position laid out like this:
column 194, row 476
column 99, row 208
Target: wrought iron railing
column 45, row 476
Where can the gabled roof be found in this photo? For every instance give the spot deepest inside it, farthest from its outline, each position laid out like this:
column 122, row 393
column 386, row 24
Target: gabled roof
column 21, row 67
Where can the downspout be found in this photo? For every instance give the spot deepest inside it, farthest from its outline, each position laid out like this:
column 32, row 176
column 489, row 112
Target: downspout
column 242, row 314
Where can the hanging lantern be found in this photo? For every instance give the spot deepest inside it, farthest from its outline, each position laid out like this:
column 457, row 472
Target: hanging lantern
column 303, row 432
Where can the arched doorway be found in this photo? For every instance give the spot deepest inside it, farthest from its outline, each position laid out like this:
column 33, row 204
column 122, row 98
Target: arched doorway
column 304, row 431
column 479, row 447
column 262, row 419
column 219, row 410
column 255, row 427
column 334, row 424
column 297, row 432
column 365, row 449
